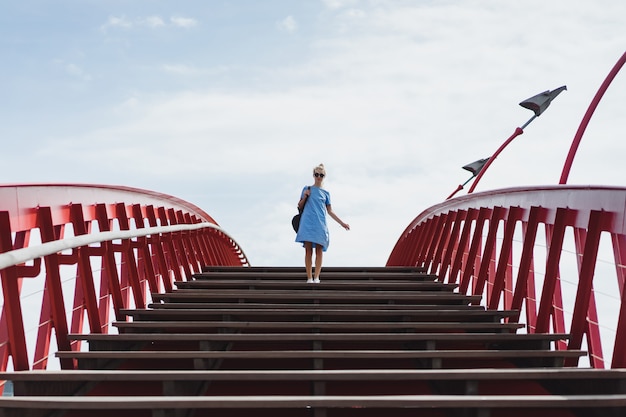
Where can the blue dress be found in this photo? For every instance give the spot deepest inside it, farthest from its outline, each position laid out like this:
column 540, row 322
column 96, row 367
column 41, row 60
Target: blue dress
column 313, row 227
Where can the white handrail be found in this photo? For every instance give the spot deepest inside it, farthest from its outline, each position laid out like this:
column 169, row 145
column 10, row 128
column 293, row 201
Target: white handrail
column 18, row 256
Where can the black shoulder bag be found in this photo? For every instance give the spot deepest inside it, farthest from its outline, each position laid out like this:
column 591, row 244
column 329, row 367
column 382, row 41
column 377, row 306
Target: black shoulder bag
column 295, row 221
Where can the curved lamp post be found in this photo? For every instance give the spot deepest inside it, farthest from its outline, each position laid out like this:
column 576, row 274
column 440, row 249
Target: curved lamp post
column 538, row 104
column 475, row 167
column 583, row 124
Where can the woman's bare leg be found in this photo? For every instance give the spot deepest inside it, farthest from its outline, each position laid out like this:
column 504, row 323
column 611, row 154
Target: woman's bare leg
column 308, row 260
column 319, row 253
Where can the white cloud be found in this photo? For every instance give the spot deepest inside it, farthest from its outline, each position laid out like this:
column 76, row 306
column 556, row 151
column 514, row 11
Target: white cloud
column 183, row 22
column 117, row 22
column 396, row 109
column 339, row 4
column 355, row 13
column 394, row 103
column 153, row 21
column 288, row 24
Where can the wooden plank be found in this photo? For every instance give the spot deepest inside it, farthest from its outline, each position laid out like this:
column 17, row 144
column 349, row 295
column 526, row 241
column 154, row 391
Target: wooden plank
column 196, row 341
column 304, row 306
column 405, row 337
column 278, row 402
column 333, row 269
column 374, row 300
column 208, row 359
column 334, row 284
column 439, row 298
column 320, row 354
column 327, row 275
column 203, row 325
column 573, row 381
column 322, row 311
column 498, row 374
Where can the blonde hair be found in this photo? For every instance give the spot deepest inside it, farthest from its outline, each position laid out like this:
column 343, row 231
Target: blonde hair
column 321, row 168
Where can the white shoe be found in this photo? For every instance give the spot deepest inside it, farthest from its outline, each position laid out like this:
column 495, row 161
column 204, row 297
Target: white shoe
column 309, row 281
column 316, row 280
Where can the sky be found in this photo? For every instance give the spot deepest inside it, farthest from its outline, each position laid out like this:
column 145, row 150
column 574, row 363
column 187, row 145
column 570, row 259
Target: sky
column 231, row 104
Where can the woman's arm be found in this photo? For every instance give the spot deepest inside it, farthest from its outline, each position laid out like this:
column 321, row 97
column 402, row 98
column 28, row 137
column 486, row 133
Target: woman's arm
column 302, row 200
column 336, row 218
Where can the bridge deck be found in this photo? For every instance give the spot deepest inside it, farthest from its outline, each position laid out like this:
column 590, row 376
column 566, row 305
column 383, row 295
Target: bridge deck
column 363, row 342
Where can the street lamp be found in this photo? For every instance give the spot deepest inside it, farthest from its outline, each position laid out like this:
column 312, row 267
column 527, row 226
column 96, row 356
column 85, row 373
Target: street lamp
column 538, row 104
column 475, row 167
column 585, row 121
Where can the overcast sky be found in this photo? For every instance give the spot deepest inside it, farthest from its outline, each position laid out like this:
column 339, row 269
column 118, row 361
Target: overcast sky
column 230, row 104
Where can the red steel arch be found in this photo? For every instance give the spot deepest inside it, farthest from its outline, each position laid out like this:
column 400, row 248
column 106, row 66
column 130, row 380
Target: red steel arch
column 164, row 239
column 469, row 240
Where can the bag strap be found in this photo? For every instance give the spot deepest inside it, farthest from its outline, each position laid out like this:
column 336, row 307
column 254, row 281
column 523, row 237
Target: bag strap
column 300, row 210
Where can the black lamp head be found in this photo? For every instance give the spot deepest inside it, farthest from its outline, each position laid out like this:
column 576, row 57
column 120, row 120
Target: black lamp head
column 539, row 103
column 476, row 166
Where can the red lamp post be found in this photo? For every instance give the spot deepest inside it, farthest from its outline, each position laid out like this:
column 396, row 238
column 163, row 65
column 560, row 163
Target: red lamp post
column 538, row 104
column 474, row 168
column 583, row 124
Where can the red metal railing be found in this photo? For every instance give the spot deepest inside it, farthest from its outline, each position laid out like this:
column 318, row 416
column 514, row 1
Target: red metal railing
column 479, row 240
column 53, row 237
column 489, row 244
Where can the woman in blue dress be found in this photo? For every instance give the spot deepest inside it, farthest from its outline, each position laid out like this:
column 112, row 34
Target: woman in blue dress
column 313, row 230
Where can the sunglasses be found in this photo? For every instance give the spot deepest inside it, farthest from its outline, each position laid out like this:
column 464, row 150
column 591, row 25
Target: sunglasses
column 318, row 175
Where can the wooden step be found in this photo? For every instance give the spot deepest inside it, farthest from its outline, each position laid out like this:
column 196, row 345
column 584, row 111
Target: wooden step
column 336, row 284
column 204, row 326
column 563, row 381
column 307, row 305
column 133, row 341
column 332, row 359
column 402, row 405
column 321, row 313
column 257, row 295
column 365, row 342
column 370, row 270
column 327, row 276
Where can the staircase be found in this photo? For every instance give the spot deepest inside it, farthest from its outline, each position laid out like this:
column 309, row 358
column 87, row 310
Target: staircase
column 260, row 341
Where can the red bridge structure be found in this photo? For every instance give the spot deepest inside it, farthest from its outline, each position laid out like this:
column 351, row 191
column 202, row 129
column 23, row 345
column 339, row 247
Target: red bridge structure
column 127, row 302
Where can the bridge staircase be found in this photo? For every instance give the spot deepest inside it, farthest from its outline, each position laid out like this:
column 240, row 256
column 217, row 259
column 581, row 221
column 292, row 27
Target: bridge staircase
column 260, row 341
